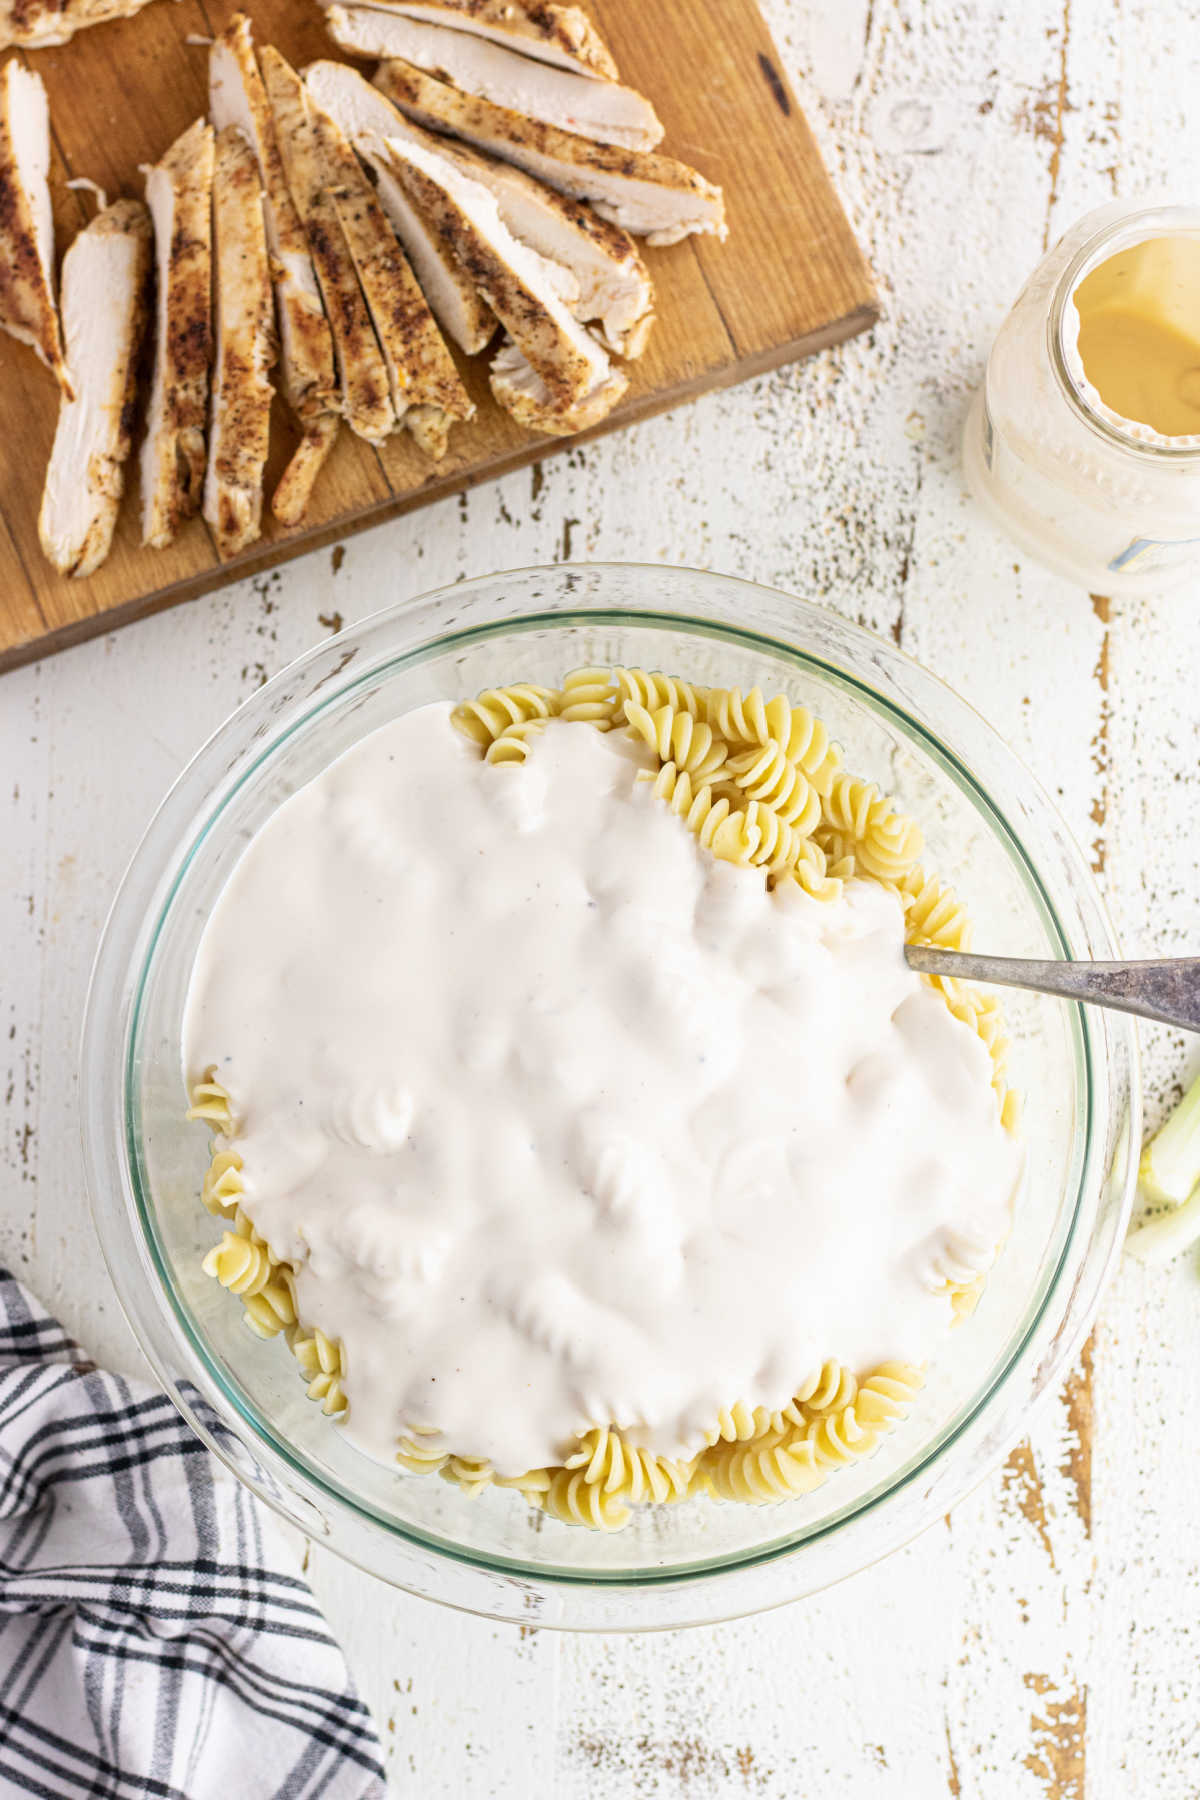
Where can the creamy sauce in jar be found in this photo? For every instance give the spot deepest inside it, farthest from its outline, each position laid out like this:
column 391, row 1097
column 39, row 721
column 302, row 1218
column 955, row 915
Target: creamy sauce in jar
column 1139, row 334
column 1084, row 442
column 566, row 1123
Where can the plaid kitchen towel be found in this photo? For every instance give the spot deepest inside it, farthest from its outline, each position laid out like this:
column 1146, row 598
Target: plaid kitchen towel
column 157, row 1641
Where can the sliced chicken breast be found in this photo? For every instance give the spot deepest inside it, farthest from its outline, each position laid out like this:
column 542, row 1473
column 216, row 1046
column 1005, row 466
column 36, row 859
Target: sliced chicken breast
column 511, row 277
column 179, row 195
column 308, row 377
column 562, row 36
column 366, row 396
column 289, row 502
column 421, row 370
column 362, row 112
column 650, row 195
column 105, row 313
column 429, row 428
column 244, row 317
column 27, row 308
column 237, row 97
column 615, row 289
column 36, row 24
column 520, row 390
column 602, row 110
column 458, row 306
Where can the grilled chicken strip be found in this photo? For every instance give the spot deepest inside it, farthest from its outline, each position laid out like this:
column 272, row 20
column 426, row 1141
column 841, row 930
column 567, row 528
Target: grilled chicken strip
column 362, row 112
column 650, row 195
column 365, row 390
column 246, row 348
column 35, row 24
column 520, row 390
column 179, row 195
column 512, row 278
column 309, row 382
column 601, row 110
column 27, row 308
column 421, row 370
column 290, row 500
column 615, row 290
column 105, row 312
column 614, row 284
column 562, row 36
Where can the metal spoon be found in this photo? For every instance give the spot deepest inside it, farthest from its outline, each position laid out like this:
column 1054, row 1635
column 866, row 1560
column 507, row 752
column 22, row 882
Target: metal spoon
column 1168, row 990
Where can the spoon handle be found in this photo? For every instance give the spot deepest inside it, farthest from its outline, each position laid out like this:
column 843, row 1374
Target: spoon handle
column 1168, row 990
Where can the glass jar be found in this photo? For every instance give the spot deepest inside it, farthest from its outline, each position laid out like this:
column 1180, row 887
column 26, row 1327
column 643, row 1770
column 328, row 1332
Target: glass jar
column 1106, row 501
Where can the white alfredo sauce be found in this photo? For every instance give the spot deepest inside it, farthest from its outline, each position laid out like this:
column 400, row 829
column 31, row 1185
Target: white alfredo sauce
column 565, row 1122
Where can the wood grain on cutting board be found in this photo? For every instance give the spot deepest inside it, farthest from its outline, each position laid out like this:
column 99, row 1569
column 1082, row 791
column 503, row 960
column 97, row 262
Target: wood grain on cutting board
column 789, row 281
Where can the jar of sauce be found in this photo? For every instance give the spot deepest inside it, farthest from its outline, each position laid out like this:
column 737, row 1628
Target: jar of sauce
column 1084, row 441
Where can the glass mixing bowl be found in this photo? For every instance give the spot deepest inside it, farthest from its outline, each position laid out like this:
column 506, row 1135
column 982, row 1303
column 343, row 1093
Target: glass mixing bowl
column 989, row 829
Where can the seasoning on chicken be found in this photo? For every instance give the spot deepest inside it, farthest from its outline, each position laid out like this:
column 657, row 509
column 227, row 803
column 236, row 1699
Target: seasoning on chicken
column 520, row 390
column 615, row 290
column 522, row 289
column 36, row 24
column 179, row 195
column 421, row 371
column 562, row 36
column 27, row 308
column 105, row 312
column 366, row 398
column 602, row 110
column 649, row 195
column 362, row 112
column 307, row 376
column 246, row 348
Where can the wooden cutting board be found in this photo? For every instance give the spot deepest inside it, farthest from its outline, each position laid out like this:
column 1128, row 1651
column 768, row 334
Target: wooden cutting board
column 789, row 281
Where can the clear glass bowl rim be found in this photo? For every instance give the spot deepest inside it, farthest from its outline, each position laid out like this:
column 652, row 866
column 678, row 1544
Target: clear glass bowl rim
column 115, row 996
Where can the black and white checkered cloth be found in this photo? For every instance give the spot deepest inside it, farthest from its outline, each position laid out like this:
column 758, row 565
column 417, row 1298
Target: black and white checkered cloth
column 157, row 1640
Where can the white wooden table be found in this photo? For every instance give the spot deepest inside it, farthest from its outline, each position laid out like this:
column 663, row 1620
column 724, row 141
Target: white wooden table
column 1041, row 1644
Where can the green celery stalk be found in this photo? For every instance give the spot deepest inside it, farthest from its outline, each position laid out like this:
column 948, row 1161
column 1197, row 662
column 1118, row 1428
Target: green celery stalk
column 1170, row 1166
column 1169, row 1173
column 1168, row 1236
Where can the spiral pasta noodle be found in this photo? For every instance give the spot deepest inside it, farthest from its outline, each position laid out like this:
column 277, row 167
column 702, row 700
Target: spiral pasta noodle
column 418, row 1454
column 887, row 844
column 759, row 784
column 678, row 737
column 210, row 1102
column 748, row 718
column 588, row 698
column 571, row 1497
column 655, row 690
column 471, row 1473
column 765, row 774
column 222, row 1190
column 608, row 1462
column 514, row 743
column 700, row 811
column 320, row 1360
column 493, row 711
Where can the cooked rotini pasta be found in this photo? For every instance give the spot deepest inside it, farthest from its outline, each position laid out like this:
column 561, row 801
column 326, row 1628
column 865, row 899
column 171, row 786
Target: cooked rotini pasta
column 320, row 1362
column 588, row 698
column 700, row 812
column 760, row 785
column 608, row 1462
column 654, row 690
column 677, row 737
column 765, row 775
column 513, row 744
column 492, row 712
